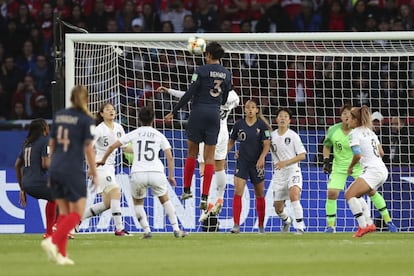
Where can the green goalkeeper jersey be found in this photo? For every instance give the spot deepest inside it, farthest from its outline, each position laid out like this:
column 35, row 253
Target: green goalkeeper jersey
column 342, row 152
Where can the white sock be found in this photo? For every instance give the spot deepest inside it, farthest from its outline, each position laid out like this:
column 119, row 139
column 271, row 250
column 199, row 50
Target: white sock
column 116, row 214
column 94, row 210
column 356, row 209
column 172, row 217
column 221, row 183
column 298, row 211
column 366, row 211
column 283, row 215
column 142, row 218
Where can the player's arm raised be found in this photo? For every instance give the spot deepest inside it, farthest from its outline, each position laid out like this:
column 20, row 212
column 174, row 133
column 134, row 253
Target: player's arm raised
column 108, row 152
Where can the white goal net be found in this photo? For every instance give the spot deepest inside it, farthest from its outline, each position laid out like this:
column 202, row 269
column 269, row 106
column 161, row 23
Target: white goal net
column 313, row 74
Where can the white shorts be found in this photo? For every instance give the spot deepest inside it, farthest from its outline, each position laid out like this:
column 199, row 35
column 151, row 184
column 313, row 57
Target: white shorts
column 283, row 180
column 106, row 179
column 221, row 147
column 141, row 181
column 375, row 177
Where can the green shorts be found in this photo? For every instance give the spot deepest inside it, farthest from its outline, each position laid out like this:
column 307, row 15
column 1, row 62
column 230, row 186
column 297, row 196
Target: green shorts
column 337, row 180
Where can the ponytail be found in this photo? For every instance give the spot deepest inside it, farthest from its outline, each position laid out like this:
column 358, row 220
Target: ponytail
column 79, row 99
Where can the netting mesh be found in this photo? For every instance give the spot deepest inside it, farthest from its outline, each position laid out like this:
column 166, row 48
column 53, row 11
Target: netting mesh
column 313, row 78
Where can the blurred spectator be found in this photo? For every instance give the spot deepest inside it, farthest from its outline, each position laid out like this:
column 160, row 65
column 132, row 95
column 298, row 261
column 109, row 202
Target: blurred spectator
column 398, row 142
column 275, row 19
column 307, row 20
column 10, row 75
column 43, row 75
column 24, row 21
column 226, row 26
column 136, row 25
column 189, row 25
column 63, row 9
column 125, row 17
column 371, row 24
column 335, row 20
column 42, row 108
column 206, row 17
column 17, row 112
column 46, row 24
column 392, row 98
column 27, row 59
column 35, row 7
column 150, row 18
column 291, row 7
column 111, row 25
column 167, row 27
column 98, row 17
column 299, row 80
column 377, row 120
column 36, row 37
column 396, row 24
column 26, row 93
column 235, row 10
column 77, row 18
column 407, row 19
column 11, row 39
column 359, row 16
column 176, row 14
column 246, row 26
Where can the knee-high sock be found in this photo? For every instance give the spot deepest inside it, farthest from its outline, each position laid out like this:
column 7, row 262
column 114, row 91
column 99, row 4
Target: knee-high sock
column 172, row 217
column 94, row 210
column 221, row 183
column 260, row 207
column 50, row 212
column 379, row 203
column 142, row 218
column 116, row 214
column 237, row 206
column 356, row 209
column 366, row 210
column 298, row 211
column 330, row 207
column 208, row 175
column 189, row 168
column 60, row 237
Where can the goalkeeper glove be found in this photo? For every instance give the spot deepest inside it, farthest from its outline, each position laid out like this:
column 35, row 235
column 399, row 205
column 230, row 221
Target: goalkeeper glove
column 327, row 165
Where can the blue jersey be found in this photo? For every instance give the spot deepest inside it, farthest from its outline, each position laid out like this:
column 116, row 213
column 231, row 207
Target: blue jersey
column 33, row 173
column 71, row 129
column 210, row 86
column 251, row 139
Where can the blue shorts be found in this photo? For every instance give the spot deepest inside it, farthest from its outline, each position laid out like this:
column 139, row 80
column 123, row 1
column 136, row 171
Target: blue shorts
column 204, row 126
column 246, row 170
column 71, row 187
column 39, row 192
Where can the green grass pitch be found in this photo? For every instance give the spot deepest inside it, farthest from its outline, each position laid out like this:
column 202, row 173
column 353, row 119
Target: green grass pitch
column 216, row 254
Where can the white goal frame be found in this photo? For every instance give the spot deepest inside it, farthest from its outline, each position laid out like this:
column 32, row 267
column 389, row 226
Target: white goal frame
column 289, row 44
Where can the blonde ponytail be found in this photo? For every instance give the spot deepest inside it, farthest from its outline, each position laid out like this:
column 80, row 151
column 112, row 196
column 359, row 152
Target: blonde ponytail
column 79, row 99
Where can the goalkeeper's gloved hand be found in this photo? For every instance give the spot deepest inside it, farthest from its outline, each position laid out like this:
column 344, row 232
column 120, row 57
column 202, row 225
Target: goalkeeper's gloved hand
column 327, row 165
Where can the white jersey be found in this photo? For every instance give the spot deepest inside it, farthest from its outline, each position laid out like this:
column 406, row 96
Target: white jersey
column 368, row 142
column 104, row 138
column 146, row 143
column 286, row 146
column 233, row 101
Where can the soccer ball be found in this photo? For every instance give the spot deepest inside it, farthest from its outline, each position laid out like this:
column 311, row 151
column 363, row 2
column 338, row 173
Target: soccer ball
column 196, row 45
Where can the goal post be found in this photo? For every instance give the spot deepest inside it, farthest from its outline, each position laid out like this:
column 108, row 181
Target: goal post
column 313, row 74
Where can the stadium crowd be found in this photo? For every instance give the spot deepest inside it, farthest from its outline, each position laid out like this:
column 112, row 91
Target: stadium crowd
column 26, row 36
